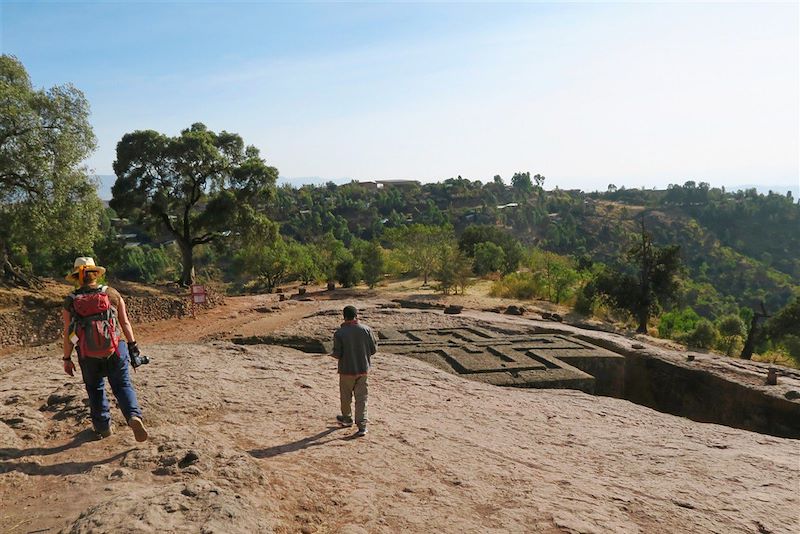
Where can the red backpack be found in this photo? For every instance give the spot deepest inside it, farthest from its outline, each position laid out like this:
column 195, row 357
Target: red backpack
column 94, row 321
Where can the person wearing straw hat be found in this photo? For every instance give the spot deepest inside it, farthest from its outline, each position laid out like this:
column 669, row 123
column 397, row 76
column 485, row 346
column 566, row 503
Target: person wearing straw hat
column 93, row 316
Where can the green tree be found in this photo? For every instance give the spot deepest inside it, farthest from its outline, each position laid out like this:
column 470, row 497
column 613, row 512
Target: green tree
column 731, row 328
column 655, row 283
column 421, row 246
column 475, row 234
column 557, row 274
column 49, row 209
column 304, row 261
column 521, row 182
column 332, row 252
column 348, row 272
column 198, row 186
column 269, row 263
column 677, row 322
column 784, row 328
column 454, row 270
column 703, row 336
column 372, row 262
column 489, row 258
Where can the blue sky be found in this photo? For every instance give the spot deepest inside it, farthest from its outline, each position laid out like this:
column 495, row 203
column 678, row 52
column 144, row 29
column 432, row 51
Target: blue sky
column 586, row 94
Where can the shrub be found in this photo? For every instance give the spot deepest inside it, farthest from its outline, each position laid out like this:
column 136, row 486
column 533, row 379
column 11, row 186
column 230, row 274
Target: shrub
column 677, row 323
column 516, row 285
column 703, row 336
column 348, row 272
column 489, row 258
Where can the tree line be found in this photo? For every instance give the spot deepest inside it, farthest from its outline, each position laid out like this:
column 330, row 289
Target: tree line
column 204, row 198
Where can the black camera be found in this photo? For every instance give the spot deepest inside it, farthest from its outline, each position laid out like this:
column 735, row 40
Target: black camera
column 138, row 359
column 135, row 356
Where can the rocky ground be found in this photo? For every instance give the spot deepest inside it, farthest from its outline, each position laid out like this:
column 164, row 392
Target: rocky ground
column 242, row 440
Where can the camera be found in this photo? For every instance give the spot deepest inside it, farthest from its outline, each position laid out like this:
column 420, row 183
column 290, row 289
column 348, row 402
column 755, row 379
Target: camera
column 135, row 356
column 138, row 359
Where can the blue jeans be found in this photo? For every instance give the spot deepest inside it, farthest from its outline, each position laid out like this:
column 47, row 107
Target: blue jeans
column 115, row 368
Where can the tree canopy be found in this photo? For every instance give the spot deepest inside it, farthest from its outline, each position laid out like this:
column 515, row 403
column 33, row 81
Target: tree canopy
column 197, row 186
column 49, row 209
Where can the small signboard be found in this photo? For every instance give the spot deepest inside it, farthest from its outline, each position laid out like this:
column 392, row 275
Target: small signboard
column 198, row 294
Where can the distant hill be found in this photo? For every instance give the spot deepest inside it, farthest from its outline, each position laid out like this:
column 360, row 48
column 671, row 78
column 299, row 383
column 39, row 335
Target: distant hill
column 106, row 181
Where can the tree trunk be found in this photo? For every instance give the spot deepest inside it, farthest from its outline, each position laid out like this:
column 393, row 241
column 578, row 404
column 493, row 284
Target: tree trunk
column 13, row 274
column 753, row 333
column 642, row 317
column 187, row 265
column 750, row 342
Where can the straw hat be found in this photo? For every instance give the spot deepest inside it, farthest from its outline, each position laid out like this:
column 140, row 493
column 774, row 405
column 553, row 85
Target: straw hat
column 87, row 264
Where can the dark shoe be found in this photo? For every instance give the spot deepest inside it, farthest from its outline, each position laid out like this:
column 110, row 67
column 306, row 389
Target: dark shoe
column 105, row 433
column 362, row 432
column 344, row 420
column 139, row 431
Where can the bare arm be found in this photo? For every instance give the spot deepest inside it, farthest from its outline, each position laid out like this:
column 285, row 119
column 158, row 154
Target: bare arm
column 67, row 342
column 124, row 322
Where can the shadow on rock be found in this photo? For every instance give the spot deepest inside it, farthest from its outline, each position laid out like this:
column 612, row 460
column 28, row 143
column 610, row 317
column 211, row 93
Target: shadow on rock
column 311, row 441
column 66, row 468
column 78, row 439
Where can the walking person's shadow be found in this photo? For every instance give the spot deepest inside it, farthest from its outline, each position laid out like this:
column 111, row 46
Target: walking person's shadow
column 310, row 441
column 65, row 468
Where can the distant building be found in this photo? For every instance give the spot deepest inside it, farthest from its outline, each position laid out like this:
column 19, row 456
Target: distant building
column 397, row 183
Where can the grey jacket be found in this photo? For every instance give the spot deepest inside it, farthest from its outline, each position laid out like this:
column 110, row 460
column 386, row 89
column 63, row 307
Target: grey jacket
column 353, row 344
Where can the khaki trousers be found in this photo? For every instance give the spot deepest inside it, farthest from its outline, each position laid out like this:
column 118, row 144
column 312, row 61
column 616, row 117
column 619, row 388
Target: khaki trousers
column 358, row 385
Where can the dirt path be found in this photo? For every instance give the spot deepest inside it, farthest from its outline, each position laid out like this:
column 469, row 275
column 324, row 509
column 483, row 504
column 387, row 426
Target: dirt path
column 246, row 315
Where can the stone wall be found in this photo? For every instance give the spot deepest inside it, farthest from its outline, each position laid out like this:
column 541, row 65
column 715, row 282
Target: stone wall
column 41, row 323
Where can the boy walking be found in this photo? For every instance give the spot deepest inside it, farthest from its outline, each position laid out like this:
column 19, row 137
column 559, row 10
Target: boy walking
column 353, row 345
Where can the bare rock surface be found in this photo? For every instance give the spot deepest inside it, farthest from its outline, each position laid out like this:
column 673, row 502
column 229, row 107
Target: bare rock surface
column 242, row 441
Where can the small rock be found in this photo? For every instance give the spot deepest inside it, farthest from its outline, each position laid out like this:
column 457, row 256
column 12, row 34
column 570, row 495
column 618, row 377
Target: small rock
column 164, row 471
column 191, row 458
column 637, row 346
column 119, row 474
column 453, row 309
column 171, row 507
column 281, row 297
column 408, row 490
column 556, row 317
column 514, row 310
column 791, row 395
column 193, row 470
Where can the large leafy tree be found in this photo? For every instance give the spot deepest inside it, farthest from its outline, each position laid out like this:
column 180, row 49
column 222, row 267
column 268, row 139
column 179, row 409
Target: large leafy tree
column 421, row 246
column 653, row 284
column 197, row 187
column 476, row 234
column 49, row 209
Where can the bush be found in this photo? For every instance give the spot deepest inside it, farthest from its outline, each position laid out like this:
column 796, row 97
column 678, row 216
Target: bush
column 731, row 328
column 704, row 335
column 516, row 285
column 348, row 272
column 677, row 323
column 145, row 264
column 489, row 258
column 584, row 302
